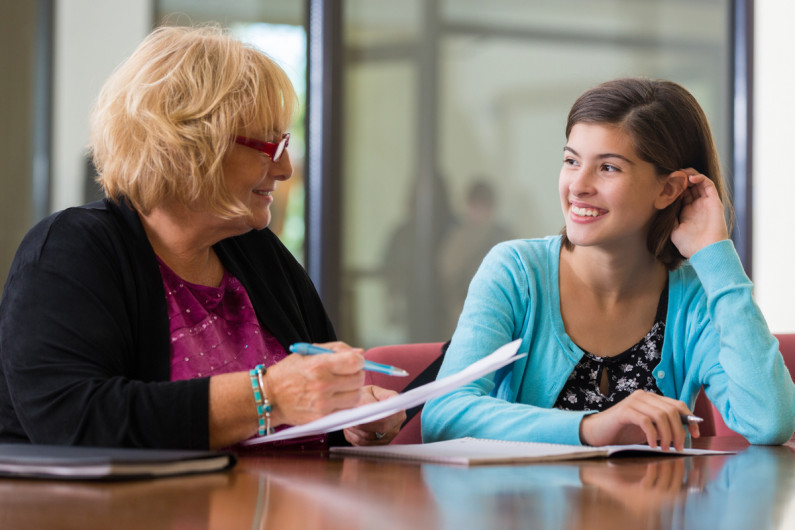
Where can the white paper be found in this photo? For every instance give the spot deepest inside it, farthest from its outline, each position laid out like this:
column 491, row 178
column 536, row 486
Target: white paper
column 470, row 451
column 343, row 419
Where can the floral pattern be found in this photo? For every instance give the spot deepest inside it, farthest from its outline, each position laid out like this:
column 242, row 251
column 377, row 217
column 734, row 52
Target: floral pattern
column 626, row 372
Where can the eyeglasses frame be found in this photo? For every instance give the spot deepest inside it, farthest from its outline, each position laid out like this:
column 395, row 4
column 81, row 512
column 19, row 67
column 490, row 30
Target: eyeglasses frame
column 273, row 150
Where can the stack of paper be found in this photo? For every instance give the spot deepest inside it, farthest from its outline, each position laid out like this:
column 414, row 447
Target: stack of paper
column 343, row 419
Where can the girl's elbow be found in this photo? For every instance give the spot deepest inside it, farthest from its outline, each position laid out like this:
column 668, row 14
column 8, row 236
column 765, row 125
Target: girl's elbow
column 431, row 424
column 773, row 433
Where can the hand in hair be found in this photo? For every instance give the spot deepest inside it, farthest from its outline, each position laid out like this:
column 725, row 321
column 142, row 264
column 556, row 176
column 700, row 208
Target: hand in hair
column 701, row 220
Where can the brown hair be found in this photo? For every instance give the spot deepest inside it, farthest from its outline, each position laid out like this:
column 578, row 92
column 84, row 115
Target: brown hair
column 669, row 130
column 167, row 116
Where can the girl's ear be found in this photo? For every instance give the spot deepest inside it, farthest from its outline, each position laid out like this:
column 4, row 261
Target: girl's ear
column 674, row 186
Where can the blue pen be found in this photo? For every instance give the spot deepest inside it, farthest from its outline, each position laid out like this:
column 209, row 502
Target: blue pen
column 304, row 348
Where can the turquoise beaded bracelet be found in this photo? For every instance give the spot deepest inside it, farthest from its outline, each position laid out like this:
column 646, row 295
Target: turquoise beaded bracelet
column 264, row 406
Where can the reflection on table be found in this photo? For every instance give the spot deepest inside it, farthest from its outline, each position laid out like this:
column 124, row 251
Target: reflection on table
column 751, row 489
column 754, row 488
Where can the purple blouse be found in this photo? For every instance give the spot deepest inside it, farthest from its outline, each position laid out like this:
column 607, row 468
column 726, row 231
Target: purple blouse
column 214, row 330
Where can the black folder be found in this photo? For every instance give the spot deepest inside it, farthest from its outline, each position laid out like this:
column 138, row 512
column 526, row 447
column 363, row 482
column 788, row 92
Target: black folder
column 105, row 463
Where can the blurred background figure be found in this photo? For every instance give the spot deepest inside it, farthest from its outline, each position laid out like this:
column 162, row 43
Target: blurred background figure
column 408, row 264
column 466, row 246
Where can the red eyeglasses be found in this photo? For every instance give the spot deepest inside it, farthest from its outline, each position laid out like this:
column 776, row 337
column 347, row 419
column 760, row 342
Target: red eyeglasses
column 272, row 149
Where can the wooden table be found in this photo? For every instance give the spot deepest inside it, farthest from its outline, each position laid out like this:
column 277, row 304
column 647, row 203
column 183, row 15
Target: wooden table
column 752, row 489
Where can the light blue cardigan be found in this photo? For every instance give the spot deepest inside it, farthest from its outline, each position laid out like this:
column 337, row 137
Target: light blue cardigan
column 715, row 336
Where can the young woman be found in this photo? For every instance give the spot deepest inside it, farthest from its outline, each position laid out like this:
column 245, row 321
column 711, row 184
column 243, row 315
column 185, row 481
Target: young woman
column 638, row 303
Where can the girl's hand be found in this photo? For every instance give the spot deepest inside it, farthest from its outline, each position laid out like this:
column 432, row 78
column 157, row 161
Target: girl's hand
column 701, row 220
column 642, row 416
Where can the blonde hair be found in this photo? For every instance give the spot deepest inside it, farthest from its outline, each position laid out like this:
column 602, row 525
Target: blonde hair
column 167, row 116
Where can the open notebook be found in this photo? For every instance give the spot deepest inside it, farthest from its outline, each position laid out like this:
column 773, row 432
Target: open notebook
column 475, row 451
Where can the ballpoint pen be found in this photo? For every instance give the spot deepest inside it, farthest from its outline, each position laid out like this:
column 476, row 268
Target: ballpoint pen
column 304, row 348
column 690, row 418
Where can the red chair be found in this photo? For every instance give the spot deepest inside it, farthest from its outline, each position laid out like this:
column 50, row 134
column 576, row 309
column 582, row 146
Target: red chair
column 704, row 409
column 422, row 361
column 713, row 422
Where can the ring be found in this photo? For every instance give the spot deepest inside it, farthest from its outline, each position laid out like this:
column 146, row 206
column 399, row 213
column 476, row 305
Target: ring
column 379, row 435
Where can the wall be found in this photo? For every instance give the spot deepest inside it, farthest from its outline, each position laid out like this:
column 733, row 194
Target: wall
column 17, row 48
column 774, row 181
column 91, row 38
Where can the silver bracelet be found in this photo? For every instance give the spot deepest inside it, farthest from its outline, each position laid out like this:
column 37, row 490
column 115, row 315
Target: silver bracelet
column 264, row 406
column 267, row 407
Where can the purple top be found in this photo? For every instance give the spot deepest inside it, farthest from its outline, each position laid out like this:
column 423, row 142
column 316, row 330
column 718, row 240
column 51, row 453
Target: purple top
column 214, row 330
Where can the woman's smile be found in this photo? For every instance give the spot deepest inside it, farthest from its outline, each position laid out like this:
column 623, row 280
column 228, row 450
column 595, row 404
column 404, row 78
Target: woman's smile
column 266, row 194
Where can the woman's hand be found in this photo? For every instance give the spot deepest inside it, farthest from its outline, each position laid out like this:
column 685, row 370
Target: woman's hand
column 303, row 388
column 379, row 432
column 642, row 416
column 701, row 220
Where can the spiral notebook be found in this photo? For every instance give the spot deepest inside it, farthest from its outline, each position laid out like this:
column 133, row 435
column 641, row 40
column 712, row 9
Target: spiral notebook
column 476, row 451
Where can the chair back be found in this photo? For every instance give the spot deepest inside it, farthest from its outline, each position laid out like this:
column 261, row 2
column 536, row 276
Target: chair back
column 422, row 362
column 704, row 409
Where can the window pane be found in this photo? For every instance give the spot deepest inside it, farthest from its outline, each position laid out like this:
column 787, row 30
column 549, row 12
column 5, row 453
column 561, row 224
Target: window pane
column 454, row 129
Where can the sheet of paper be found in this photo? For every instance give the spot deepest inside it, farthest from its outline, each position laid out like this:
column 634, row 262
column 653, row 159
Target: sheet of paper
column 343, row 419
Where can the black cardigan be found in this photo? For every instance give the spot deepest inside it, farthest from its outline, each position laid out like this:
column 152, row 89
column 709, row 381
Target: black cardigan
column 84, row 334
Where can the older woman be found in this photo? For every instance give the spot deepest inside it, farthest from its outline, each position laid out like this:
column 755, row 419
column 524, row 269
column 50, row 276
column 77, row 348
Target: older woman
column 161, row 316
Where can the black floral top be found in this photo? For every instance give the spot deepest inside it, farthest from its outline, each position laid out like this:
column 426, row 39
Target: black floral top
column 626, row 372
